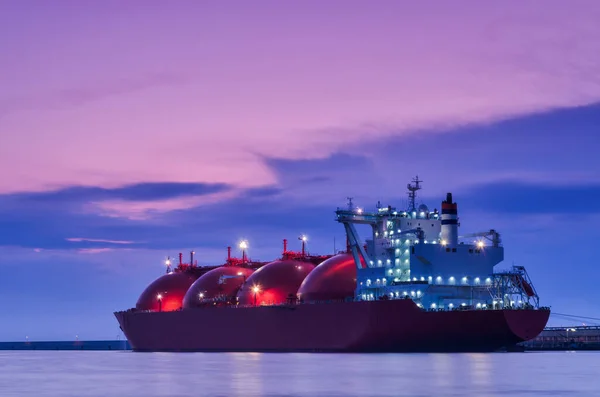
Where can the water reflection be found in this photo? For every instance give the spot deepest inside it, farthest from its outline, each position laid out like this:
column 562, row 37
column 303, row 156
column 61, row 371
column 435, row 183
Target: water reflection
column 246, row 374
column 95, row 374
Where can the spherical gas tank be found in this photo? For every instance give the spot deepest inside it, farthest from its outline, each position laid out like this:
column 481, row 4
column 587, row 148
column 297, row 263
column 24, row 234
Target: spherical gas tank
column 166, row 292
column 224, row 281
column 274, row 282
column 333, row 279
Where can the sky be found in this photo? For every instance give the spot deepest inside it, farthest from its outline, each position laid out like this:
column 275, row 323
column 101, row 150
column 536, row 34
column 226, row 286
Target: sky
column 130, row 131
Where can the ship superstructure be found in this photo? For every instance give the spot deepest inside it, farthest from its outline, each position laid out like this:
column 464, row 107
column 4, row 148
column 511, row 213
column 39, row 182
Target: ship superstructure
column 417, row 253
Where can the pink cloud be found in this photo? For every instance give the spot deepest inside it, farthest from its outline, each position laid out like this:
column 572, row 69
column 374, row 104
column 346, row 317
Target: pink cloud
column 291, row 80
column 94, row 250
column 97, row 240
column 141, row 210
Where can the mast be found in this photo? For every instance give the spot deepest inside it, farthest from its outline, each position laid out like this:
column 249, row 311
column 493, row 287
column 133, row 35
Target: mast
column 412, row 193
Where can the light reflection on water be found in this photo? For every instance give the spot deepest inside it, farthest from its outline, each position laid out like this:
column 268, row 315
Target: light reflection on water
column 87, row 374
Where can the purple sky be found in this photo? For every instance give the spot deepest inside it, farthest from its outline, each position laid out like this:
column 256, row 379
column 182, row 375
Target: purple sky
column 130, row 131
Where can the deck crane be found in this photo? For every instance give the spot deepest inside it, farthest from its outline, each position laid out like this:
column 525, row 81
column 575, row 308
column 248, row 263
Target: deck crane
column 490, row 235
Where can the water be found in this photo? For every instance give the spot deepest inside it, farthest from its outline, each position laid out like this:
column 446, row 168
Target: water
column 86, row 374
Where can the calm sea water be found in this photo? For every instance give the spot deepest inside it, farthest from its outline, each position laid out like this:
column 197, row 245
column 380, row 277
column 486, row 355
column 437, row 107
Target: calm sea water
column 38, row 373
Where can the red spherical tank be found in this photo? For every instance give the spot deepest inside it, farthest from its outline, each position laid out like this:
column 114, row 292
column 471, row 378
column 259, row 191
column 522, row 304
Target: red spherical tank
column 333, row 279
column 224, row 282
column 166, row 292
column 274, row 282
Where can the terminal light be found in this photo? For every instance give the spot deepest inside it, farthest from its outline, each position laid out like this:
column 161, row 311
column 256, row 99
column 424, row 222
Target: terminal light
column 480, row 244
column 243, row 244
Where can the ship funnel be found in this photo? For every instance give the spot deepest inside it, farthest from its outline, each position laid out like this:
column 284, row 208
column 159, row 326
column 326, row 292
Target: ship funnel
column 449, row 233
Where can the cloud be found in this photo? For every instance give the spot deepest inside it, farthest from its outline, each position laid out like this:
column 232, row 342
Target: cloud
column 98, row 240
column 141, row 209
column 79, row 96
column 150, row 191
column 368, row 74
column 516, row 197
column 95, row 250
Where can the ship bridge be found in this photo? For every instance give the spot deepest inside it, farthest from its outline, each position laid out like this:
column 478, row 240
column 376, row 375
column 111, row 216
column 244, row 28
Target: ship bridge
column 418, row 253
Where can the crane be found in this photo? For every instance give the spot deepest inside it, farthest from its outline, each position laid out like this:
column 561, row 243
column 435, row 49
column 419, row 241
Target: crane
column 490, row 235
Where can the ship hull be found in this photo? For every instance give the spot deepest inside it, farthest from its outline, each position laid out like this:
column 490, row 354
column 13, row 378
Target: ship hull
column 371, row 326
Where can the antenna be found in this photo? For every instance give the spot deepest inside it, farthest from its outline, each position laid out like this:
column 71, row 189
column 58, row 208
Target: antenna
column 303, row 239
column 350, row 204
column 412, row 193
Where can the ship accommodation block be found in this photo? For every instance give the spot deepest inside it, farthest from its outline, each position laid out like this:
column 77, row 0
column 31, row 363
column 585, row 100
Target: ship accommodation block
column 418, row 254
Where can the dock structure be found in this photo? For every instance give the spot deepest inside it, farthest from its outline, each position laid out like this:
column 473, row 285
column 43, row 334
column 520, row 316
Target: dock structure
column 67, row 345
column 566, row 338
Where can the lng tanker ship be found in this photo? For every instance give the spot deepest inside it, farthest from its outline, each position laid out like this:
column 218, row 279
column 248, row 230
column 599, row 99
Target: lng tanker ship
column 414, row 286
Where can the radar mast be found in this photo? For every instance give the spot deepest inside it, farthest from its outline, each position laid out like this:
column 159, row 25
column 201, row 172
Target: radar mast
column 412, row 193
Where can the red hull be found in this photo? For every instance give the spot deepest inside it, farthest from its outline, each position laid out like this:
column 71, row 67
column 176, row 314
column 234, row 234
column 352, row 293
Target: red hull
column 371, row 326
